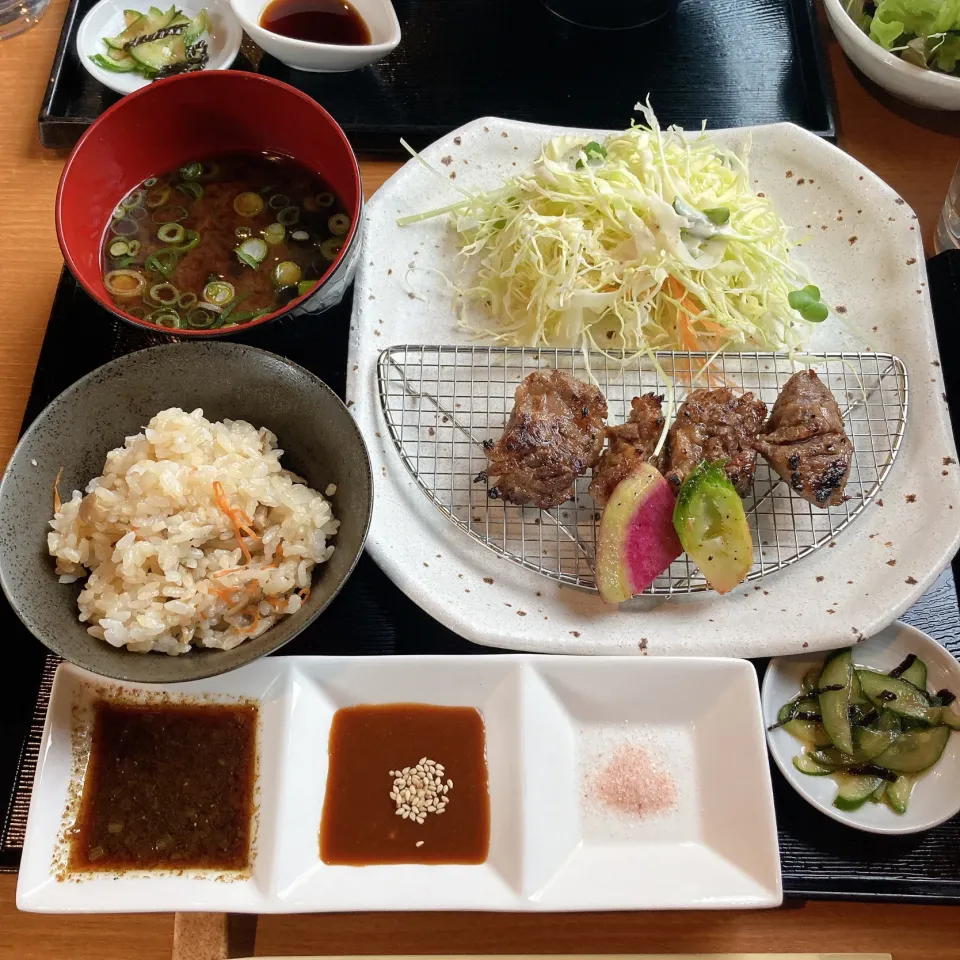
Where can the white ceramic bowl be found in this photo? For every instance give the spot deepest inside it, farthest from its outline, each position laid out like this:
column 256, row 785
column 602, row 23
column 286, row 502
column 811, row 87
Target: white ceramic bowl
column 925, row 88
column 106, row 20
column 379, row 15
column 936, row 796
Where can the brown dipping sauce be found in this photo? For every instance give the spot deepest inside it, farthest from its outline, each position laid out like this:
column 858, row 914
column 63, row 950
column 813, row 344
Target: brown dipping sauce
column 360, row 826
column 167, row 786
column 317, row 21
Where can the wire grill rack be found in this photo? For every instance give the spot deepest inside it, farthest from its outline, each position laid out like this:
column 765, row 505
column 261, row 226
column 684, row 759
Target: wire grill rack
column 442, row 402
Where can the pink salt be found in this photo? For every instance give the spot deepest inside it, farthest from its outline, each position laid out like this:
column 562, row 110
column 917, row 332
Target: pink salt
column 632, row 783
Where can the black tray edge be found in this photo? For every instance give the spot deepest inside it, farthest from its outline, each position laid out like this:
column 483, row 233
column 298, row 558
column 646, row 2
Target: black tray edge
column 381, row 140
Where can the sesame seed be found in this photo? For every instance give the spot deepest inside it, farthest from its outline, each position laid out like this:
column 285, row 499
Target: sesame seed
column 419, row 790
column 419, row 843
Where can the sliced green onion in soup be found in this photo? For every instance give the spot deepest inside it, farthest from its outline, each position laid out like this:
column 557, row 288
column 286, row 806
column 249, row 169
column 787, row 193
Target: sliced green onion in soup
column 124, row 284
column 136, row 213
column 243, row 233
column 274, row 233
column 171, row 213
column 187, row 299
column 157, row 197
column 339, row 224
column 166, row 294
column 289, row 215
column 301, row 236
column 325, row 199
column 286, row 274
column 150, row 182
column 191, row 239
column 118, row 212
column 203, row 317
column 165, row 317
column 135, row 199
column 278, row 201
column 133, row 247
column 210, row 170
column 190, row 171
column 331, row 247
column 137, row 311
column 118, row 248
column 171, row 233
column 305, row 286
column 163, row 261
column 125, row 227
column 248, row 203
column 252, row 252
column 191, row 189
column 219, row 292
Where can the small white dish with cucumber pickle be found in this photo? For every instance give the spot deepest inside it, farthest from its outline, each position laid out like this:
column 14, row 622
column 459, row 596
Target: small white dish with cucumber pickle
column 109, row 19
column 899, row 735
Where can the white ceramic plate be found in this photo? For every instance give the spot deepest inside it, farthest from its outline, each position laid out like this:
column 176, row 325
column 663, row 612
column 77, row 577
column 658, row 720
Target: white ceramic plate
column 106, row 20
column 936, row 796
column 865, row 253
column 544, row 717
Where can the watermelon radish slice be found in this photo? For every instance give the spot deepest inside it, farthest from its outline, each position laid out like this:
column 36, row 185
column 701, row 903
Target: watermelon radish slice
column 637, row 540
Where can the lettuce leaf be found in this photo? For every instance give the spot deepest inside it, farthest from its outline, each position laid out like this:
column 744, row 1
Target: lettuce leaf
column 920, row 18
column 948, row 54
column 930, row 26
column 885, row 33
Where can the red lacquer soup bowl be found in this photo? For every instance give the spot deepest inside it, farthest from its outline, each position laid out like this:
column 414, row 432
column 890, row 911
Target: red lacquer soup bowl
column 191, row 118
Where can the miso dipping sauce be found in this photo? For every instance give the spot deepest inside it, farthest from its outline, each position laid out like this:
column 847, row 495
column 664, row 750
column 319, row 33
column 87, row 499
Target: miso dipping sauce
column 406, row 783
column 167, row 787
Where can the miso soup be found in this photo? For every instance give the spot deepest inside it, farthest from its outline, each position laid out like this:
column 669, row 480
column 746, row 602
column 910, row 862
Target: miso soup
column 219, row 243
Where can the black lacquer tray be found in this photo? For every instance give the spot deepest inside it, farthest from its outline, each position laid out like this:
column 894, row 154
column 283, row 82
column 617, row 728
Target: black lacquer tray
column 729, row 62
column 820, row 858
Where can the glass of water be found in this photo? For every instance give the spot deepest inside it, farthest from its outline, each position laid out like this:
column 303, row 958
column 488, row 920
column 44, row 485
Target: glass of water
column 19, row 15
column 948, row 229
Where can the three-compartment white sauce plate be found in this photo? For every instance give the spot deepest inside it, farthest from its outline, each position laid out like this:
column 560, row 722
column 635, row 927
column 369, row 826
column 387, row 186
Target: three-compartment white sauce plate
column 548, row 720
column 863, row 250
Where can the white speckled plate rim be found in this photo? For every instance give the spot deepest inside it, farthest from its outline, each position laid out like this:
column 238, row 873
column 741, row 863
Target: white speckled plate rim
column 864, row 251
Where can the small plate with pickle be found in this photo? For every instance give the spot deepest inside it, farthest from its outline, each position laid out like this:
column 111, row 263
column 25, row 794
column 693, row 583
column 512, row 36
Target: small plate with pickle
column 869, row 734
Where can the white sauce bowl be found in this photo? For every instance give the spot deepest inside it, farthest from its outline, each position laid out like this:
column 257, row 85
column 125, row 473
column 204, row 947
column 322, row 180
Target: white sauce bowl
column 379, row 16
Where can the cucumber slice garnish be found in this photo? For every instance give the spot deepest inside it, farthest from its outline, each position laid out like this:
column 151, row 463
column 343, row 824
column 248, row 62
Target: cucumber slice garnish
column 878, row 794
column 897, row 695
column 915, row 751
column 867, row 746
column 950, row 718
column 898, row 793
column 127, row 65
column 916, row 674
column 810, row 731
column 158, row 54
column 834, row 704
column 855, row 790
column 806, row 764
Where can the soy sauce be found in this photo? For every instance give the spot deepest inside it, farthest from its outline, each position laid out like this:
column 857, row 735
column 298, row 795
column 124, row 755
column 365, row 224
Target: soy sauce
column 318, row 21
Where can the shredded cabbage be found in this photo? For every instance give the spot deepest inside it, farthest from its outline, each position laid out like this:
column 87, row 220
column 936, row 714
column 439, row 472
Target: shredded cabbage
column 649, row 241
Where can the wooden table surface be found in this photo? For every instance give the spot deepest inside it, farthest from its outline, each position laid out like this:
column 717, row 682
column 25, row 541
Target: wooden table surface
column 913, row 150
